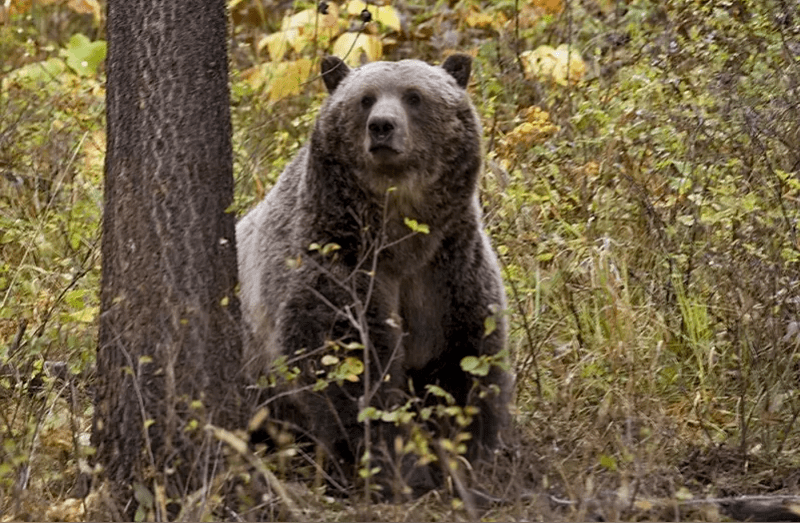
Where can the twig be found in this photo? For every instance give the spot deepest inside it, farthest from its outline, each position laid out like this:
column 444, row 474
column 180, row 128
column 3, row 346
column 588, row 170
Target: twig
column 742, row 508
column 23, row 324
column 242, row 449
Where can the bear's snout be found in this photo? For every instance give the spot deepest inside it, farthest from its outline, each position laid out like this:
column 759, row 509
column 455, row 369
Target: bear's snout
column 380, row 129
column 386, row 130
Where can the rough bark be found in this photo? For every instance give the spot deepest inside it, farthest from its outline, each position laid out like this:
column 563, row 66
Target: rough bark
column 169, row 344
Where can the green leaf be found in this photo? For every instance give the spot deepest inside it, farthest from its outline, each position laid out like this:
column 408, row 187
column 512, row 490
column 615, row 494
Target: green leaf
column 143, row 495
column 329, row 248
column 329, row 360
column 684, row 494
column 84, row 56
column 37, row 72
column 469, row 363
column 398, row 416
column 489, row 325
column 366, row 473
column 352, row 367
column 416, row 227
column 501, row 360
column 370, row 413
column 145, row 499
column 85, row 315
column 349, row 370
column 475, row 366
column 75, row 298
column 353, row 345
column 440, row 393
column 608, row 462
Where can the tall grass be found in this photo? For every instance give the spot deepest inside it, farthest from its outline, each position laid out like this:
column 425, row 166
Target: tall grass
column 646, row 220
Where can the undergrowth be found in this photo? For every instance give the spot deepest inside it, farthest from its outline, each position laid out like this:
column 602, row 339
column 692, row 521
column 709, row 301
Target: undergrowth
column 645, row 212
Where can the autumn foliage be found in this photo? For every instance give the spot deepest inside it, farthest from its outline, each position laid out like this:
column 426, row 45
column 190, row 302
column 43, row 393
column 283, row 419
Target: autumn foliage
column 641, row 186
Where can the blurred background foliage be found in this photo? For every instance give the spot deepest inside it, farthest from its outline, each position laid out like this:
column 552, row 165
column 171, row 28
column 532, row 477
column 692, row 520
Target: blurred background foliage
column 641, row 187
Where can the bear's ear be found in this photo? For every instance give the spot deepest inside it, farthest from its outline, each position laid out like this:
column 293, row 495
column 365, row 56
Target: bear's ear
column 458, row 66
column 333, row 70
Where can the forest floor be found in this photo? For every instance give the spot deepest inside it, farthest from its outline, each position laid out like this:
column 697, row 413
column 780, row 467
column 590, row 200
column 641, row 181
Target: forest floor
column 641, row 188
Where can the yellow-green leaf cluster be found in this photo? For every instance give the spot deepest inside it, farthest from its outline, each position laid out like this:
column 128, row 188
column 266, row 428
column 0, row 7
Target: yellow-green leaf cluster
column 536, row 127
column 279, row 79
column 352, row 46
column 561, row 65
column 415, row 226
column 301, row 29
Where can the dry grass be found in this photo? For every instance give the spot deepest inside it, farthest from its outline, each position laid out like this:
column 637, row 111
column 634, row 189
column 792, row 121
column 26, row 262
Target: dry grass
column 647, row 222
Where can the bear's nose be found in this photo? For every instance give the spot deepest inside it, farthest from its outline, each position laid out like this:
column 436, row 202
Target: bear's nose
column 380, row 128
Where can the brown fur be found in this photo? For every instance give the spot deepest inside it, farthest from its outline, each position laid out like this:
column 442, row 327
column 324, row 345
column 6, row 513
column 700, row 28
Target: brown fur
column 408, row 126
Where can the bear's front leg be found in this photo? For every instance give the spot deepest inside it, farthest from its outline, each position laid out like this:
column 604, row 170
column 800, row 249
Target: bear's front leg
column 466, row 287
column 330, row 332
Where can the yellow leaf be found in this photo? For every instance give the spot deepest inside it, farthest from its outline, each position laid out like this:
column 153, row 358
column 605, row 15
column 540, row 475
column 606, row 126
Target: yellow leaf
column 355, row 7
column 277, row 44
column 94, row 153
column 351, row 46
column 300, row 30
column 329, row 360
column 561, row 65
column 307, row 19
column 538, row 63
column 84, row 7
column 71, row 509
column 476, row 18
column 570, row 59
column 279, row 79
column 15, row 8
column 352, row 367
column 298, row 39
column 85, row 315
column 385, row 14
column 553, row 7
column 287, row 78
column 388, row 16
column 233, row 440
column 87, row 7
column 683, row 494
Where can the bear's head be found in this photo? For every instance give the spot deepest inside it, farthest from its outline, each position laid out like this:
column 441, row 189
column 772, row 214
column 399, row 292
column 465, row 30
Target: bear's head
column 405, row 124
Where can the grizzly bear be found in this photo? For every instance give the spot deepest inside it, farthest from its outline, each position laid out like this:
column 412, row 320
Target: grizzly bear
column 370, row 246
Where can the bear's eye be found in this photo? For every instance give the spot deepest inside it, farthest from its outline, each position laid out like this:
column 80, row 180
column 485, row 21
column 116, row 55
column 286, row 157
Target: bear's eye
column 368, row 101
column 413, row 98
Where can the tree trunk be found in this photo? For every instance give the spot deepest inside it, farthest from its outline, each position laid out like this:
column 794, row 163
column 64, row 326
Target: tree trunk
column 169, row 345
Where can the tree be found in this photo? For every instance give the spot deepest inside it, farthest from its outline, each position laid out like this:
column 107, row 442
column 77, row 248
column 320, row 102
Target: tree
column 169, row 343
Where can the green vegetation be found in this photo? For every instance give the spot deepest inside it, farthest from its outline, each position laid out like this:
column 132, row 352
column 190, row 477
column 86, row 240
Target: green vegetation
column 641, row 187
